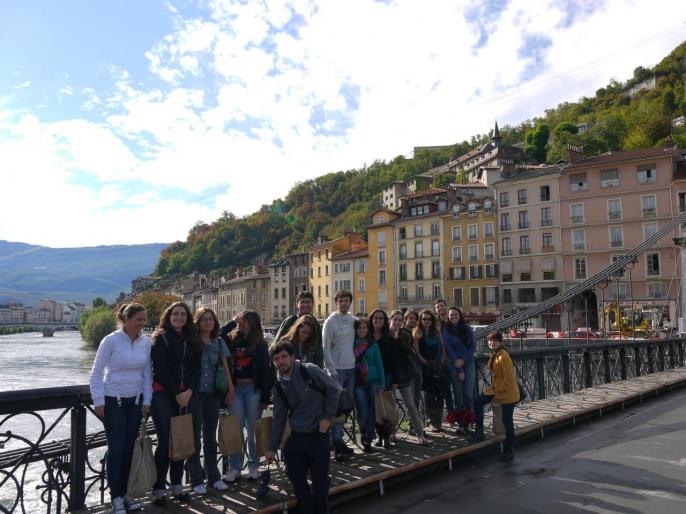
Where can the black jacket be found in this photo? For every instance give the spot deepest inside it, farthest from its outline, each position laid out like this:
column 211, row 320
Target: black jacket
column 175, row 362
column 262, row 371
column 396, row 355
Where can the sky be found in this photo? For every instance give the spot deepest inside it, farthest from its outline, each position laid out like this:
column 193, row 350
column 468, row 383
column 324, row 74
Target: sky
column 127, row 122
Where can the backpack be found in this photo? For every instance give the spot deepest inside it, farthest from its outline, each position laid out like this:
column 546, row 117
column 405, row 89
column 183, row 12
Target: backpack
column 345, row 400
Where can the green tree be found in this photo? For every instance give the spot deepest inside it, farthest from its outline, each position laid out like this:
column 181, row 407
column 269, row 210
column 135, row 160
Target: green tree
column 99, row 302
column 636, row 139
column 95, row 324
column 537, row 140
column 443, row 181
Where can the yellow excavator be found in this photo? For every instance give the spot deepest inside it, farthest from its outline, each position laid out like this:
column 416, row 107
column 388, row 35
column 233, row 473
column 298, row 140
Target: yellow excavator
column 625, row 321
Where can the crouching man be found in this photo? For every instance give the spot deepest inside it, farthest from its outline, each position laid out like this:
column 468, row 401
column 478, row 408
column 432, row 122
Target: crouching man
column 306, row 397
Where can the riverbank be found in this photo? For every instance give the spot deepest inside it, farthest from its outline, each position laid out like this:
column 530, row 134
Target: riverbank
column 8, row 331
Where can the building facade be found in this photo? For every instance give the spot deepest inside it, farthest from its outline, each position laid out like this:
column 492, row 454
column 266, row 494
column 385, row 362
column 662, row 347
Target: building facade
column 380, row 278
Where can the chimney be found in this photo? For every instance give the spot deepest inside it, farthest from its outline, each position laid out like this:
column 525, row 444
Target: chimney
column 574, row 153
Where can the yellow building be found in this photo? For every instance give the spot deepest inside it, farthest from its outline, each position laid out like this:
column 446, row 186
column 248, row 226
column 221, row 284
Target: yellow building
column 469, row 253
column 380, row 287
column 321, row 269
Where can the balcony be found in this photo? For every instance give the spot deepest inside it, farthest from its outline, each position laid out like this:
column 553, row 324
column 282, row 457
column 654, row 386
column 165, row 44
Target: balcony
column 473, row 257
column 649, row 213
column 579, row 246
column 546, row 222
column 577, row 219
column 524, row 224
column 488, row 235
column 505, row 227
column 506, row 252
column 547, row 248
column 472, row 237
column 524, row 251
column 489, row 256
column 616, row 243
column 614, row 215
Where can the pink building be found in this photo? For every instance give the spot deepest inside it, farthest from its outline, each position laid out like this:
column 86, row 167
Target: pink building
column 609, row 204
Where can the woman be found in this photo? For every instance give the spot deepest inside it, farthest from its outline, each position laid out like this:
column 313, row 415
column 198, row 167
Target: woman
column 460, row 345
column 176, row 352
column 378, row 328
column 410, row 322
column 369, row 378
column 435, row 383
column 121, row 388
column 253, row 378
column 302, row 337
column 206, row 402
column 401, row 370
column 504, row 391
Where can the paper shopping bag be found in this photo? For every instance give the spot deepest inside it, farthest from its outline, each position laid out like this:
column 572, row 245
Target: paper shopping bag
column 143, row 472
column 498, row 427
column 384, row 405
column 230, row 435
column 181, row 445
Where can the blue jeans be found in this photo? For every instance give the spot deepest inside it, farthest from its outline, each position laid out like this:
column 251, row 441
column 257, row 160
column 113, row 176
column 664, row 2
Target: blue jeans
column 507, row 410
column 163, row 407
column 464, row 398
column 122, row 421
column 365, row 395
column 205, row 410
column 346, row 378
column 246, row 406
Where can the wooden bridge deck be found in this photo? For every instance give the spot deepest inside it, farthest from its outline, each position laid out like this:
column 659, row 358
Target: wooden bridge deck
column 369, row 474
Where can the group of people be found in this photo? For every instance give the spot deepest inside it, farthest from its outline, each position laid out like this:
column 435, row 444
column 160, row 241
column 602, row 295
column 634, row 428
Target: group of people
column 303, row 374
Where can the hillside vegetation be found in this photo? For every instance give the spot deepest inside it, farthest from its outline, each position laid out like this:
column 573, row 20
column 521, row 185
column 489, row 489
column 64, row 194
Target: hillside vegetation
column 616, row 120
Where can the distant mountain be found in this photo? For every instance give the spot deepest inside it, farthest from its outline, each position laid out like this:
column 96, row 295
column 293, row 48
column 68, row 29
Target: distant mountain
column 29, row 273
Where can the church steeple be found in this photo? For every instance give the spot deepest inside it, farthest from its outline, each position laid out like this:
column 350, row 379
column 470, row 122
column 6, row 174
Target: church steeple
column 495, row 139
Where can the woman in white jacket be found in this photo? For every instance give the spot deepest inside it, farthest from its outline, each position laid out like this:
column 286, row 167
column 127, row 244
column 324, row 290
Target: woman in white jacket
column 121, row 388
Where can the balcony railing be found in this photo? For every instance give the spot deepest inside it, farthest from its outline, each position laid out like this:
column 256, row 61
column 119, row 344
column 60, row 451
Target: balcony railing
column 579, row 246
column 547, row 248
column 523, row 224
column 524, row 251
column 616, row 244
column 649, row 213
column 546, row 222
column 506, row 252
column 505, row 227
column 577, row 219
column 614, row 215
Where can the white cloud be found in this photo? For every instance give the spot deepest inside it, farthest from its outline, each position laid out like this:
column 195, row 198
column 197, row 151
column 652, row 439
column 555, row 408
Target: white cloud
column 231, row 97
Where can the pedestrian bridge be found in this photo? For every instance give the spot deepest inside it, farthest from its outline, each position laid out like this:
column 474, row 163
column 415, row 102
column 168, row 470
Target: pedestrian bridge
column 47, row 327
column 565, row 386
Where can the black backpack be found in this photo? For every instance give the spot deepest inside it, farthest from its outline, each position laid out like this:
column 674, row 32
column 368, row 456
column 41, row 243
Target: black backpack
column 345, row 400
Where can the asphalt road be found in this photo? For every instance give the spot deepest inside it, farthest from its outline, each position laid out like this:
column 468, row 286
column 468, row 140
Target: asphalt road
column 629, row 462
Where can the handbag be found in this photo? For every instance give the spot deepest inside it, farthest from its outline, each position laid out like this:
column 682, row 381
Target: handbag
column 143, row 473
column 221, row 385
column 384, row 406
column 181, row 445
column 230, row 435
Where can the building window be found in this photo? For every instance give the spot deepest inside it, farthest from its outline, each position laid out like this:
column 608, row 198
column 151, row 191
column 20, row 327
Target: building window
column 505, row 221
column 549, row 275
column 276, row 293
column 648, row 207
column 319, row 291
column 488, row 205
column 473, row 253
column 506, row 246
column 383, row 298
column 418, row 249
column 363, row 306
column 507, row 295
column 327, row 290
column 609, row 178
column 545, row 193
column 327, row 270
column 362, row 265
column 402, row 272
column 649, row 229
column 580, row 268
column 505, row 199
column 434, row 228
column 616, row 236
column 682, row 202
column 523, row 219
column 402, row 251
column 283, row 293
column 381, row 219
column 382, row 277
column 436, row 291
column 521, row 197
column 488, row 229
column 524, row 248
column 435, row 269
column 525, row 276
column 381, row 238
column 457, row 273
column 489, row 251
column 577, row 182
column 527, row 295
column 403, row 294
column 547, row 242
column 614, row 209
column 577, row 212
column 476, row 272
column 546, row 216
column 474, row 296
column 457, row 233
column 491, row 271
column 435, row 248
column 653, row 264
column 457, row 297
column 419, row 271
column 361, row 285
column 402, row 233
column 646, row 174
column 420, row 293
column 491, row 296
column 382, row 256
column 457, row 254
column 656, row 290
column 578, row 239
column 472, row 231
column 507, row 277
column 417, row 231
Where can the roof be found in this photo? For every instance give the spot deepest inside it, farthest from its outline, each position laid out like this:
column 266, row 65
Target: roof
column 470, row 185
column 612, row 157
column 528, row 173
column 363, row 252
column 426, row 192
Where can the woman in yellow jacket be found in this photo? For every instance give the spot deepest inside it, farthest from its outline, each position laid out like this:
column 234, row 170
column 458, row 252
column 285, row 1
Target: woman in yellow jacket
column 504, row 391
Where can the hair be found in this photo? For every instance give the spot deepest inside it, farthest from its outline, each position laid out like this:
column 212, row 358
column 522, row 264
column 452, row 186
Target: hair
column 440, row 300
column 256, row 335
column 343, row 293
column 495, row 335
column 279, row 346
column 410, row 312
column 198, row 316
column 189, row 329
column 292, row 334
column 395, row 313
column 128, row 311
column 385, row 330
column 417, row 333
column 304, row 295
column 360, row 321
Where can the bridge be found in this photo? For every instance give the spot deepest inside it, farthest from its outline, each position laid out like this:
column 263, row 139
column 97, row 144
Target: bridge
column 48, row 328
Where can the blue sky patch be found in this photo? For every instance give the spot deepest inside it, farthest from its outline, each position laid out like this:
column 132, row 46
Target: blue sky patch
column 534, row 51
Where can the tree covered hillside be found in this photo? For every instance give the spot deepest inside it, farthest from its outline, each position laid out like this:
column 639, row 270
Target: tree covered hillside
column 620, row 116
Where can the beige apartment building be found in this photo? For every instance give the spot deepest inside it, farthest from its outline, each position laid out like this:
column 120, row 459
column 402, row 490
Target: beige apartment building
column 257, row 287
column 381, row 286
column 279, row 277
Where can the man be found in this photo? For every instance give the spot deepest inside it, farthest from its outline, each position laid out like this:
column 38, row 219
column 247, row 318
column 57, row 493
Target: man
column 308, row 401
column 304, row 303
column 338, row 338
column 441, row 310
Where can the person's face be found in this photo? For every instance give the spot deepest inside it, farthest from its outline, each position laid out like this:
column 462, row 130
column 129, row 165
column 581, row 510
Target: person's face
column 494, row 345
column 427, row 321
column 178, row 317
column 283, row 362
column 135, row 323
column 243, row 325
column 378, row 320
column 361, row 331
column 396, row 322
column 454, row 316
column 304, row 332
column 411, row 321
column 343, row 304
column 304, row 306
column 440, row 309
column 206, row 323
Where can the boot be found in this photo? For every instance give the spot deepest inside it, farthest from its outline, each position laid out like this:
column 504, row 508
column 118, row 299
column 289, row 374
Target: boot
column 507, row 455
column 478, row 436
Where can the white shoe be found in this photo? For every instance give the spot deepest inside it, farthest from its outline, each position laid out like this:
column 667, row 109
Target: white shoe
column 232, row 475
column 220, row 485
column 253, row 472
column 200, row 489
column 118, row 505
column 131, row 504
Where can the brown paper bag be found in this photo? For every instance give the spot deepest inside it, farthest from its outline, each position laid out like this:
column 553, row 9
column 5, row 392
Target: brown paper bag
column 263, row 433
column 230, row 435
column 181, row 445
column 498, row 427
column 384, row 405
column 143, row 472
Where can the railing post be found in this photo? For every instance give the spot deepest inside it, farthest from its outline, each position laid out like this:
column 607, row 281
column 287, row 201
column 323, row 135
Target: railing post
column 566, row 374
column 680, row 351
column 651, row 359
column 588, row 369
column 637, row 360
column 540, row 377
column 622, row 362
column 606, row 366
column 661, row 364
column 77, row 459
column 672, row 355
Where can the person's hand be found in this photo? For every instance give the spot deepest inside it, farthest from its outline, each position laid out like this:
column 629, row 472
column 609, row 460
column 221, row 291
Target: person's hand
column 261, row 409
column 461, row 377
column 157, row 332
column 100, row 411
column 230, row 395
column 333, row 375
column 269, row 455
column 183, row 398
column 145, row 409
column 324, row 426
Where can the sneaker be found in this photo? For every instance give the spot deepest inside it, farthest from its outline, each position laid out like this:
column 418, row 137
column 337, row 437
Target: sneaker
column 200, row 489
column 118, row 505
column 253, row 472
column 131, row 504
column 232, row 475
column 159, row 496
column 178, row 492
column 220, row 485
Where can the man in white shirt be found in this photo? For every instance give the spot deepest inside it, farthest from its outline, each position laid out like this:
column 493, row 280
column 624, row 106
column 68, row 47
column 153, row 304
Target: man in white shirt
column 338, row 336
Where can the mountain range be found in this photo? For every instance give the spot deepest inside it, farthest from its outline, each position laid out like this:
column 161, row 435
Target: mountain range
column 29, row 273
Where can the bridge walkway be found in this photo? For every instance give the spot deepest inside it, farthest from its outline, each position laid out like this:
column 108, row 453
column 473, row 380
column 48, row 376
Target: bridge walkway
column 363, row 474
